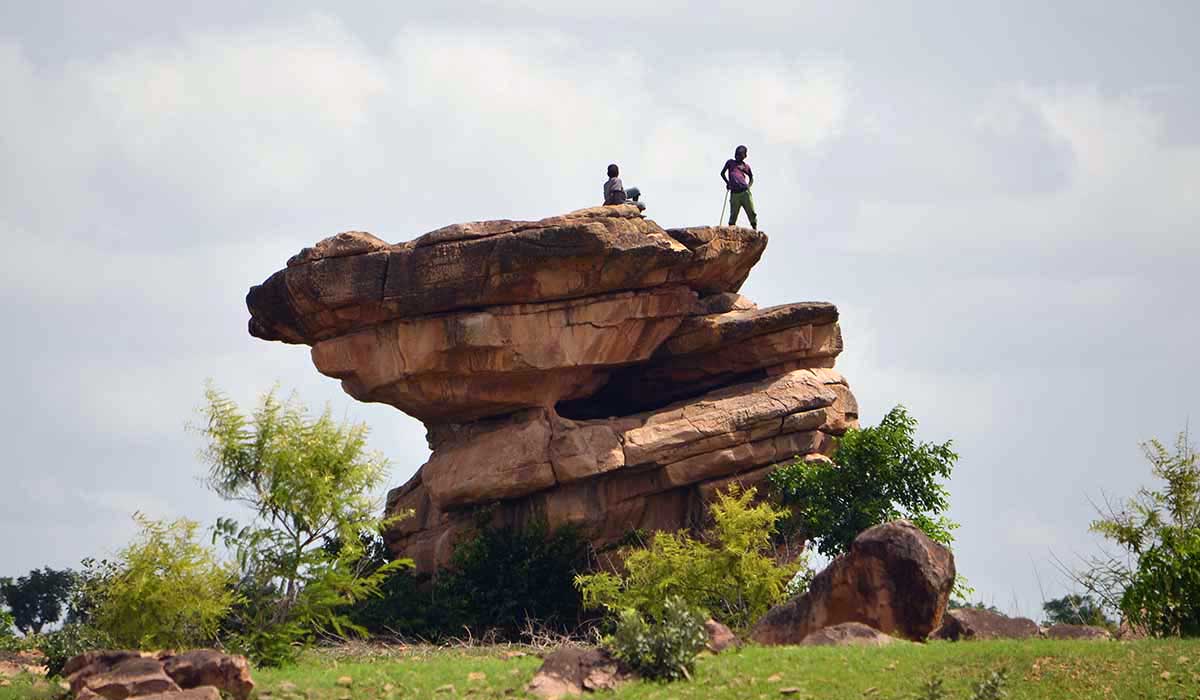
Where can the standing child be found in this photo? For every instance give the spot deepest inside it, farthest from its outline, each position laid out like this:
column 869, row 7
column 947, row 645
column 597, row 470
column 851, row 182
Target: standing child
column 739, row 180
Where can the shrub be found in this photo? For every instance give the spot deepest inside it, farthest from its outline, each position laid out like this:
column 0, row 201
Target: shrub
column 498, row 580
column 1160, row 531
column 663, row 647
column 877, row 474
column 730, row 574
column 70, row 640
column 163, row 590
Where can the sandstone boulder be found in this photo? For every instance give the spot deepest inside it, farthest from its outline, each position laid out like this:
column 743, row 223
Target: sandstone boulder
column 893, row 578
column 571, row 671
column 847, row 634
column 1063, row 631
column 963, row 624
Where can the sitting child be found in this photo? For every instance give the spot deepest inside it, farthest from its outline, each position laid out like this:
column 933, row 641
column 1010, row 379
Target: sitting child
column 615, row 192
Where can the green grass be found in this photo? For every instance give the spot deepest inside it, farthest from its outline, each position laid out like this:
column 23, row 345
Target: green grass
column 1152, row 669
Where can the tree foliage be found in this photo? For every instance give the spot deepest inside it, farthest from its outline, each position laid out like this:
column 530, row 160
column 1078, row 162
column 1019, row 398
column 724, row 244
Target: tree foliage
column 729, row 573
column 1157, row 583
column 1075, row 609
column 165, row 590
column 37, row 599
column 308, row 480
column 877, row 474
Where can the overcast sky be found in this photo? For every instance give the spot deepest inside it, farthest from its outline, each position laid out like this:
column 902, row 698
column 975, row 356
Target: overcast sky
column 1002, row 199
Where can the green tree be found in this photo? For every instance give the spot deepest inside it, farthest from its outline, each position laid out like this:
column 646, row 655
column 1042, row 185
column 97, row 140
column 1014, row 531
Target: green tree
column 165, row 590
column 1157, row 583
column 37, row 599
column 877, row 474
column 1075, row 609
column 307, row 480
column 730, row 573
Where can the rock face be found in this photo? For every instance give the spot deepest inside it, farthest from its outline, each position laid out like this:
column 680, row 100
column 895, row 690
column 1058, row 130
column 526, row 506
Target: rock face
column 894, row 579
column 590, row 369
column 963, row 624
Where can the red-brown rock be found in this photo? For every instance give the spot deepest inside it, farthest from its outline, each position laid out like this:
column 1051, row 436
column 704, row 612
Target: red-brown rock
column 894, row 579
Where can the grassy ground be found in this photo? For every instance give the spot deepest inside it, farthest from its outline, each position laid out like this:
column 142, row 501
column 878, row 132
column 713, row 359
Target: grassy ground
column 1157, row 669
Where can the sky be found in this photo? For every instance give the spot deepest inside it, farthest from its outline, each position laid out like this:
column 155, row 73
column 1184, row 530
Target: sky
column 1003, row 199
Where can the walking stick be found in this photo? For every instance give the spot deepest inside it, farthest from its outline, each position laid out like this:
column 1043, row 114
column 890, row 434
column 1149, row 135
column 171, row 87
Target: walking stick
column 724, row 202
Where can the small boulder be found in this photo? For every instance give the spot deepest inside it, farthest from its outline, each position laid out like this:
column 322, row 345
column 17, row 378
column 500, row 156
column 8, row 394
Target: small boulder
column 894, row 579
column 1063, row 631
column 962, row 624
column 848, row 634
column 130, row 678
column 720, row 637
column 208, row 667
column 570, row 671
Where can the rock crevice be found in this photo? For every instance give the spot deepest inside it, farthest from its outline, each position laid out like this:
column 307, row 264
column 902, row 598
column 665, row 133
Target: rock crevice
column 590, row 369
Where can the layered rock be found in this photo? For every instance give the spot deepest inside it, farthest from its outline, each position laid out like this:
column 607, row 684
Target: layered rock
column 590, row 369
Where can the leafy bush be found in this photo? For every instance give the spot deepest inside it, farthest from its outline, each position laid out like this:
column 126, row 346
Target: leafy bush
column 664, row 647
column 1160, row 531
column 36, row 599
column 497, row 581
column 163, row 590
column 308, row 480
column 877, row 475
column 730, row 573
column 70, row 640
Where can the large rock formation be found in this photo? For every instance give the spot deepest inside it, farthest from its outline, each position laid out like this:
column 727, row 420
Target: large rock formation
column 590, row 369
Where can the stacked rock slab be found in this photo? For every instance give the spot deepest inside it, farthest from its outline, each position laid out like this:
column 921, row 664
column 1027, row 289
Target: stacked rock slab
column 590, row 369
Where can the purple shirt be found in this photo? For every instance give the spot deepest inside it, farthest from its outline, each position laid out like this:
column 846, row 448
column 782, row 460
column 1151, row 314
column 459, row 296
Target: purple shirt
column 740, row 175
